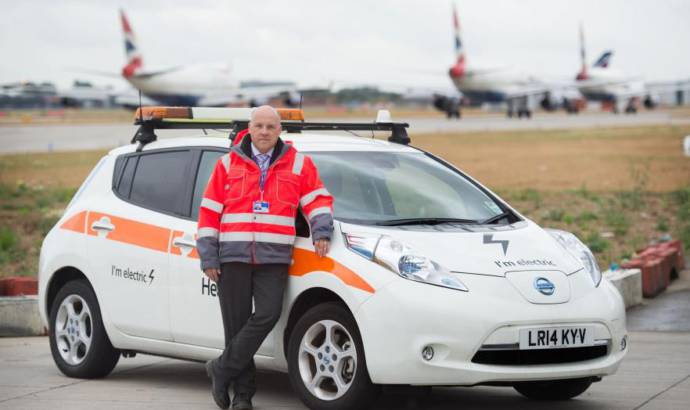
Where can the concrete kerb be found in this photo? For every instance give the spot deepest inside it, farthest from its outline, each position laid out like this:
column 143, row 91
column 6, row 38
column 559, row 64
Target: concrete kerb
column 629, row 284
column 19, row 316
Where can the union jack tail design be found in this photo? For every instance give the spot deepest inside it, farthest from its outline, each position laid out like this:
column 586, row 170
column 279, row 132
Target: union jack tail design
column 604, row 60
column 458, row 69
column 583, row 74
column 134, row 61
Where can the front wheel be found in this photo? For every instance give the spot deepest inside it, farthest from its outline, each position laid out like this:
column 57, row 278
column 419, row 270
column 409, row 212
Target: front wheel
column 553, row 389
column 326, row 361
column 78, row 341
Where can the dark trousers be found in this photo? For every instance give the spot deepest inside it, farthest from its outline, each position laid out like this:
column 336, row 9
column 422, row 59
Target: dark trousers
column 244, row 330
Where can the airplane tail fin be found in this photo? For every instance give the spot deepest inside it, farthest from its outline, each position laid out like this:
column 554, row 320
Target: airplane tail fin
column 134, row 60
column 582, row 75
column 458, row 69
column 604, row 60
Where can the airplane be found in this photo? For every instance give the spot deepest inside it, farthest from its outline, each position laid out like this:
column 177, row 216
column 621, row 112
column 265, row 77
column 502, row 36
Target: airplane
column 610, row 86
column 494, row 85
column 198, row 84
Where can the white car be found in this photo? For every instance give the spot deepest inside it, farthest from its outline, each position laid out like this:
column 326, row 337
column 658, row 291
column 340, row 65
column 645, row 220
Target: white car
column 431, row 280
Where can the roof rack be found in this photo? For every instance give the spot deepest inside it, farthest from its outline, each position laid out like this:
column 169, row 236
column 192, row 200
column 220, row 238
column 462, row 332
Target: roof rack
column 150, row 119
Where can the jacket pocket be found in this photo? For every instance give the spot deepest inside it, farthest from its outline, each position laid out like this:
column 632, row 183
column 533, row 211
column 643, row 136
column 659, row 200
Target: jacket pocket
column 287, row 190
column 234, row 184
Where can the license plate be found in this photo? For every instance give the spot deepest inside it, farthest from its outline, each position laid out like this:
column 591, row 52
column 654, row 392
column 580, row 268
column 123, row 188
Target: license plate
column 554, row 337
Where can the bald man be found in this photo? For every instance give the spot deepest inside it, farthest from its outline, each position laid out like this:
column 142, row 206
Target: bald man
column 245, row 236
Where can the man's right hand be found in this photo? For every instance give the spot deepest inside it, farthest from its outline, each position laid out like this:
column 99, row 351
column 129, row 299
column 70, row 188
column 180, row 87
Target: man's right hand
column 212, row 273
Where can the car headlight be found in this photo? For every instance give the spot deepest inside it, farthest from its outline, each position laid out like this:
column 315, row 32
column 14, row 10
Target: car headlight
column 580, row 251
column 401, row 259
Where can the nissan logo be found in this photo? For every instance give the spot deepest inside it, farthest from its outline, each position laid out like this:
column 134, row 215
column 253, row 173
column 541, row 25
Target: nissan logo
column 544, row 286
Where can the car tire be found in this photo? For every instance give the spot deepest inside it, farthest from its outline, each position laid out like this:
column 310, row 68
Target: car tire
column 553, row 389
column 329, row 374
column 78, row 341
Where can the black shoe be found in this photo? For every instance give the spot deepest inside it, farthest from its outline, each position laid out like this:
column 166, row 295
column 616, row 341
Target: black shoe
column 241, row 403
column 219, row 392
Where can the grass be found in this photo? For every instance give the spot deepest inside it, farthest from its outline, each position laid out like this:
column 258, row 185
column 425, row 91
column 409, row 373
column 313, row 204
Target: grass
column 682, row 199
column 613, row 231
column 588, row 161
column 8, row 243
column 27, row 214
column 617, row 221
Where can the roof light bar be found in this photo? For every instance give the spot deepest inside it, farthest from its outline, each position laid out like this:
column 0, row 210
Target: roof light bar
column 159, row 113
column 237, row 119
column 208, row 114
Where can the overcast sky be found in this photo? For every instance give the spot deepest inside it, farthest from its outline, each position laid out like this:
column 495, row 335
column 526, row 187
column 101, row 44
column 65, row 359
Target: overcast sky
column 362, row 41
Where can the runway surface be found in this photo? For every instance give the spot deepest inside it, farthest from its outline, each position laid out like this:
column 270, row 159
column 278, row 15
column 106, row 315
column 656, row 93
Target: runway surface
column 46, row 138
column 654, row 375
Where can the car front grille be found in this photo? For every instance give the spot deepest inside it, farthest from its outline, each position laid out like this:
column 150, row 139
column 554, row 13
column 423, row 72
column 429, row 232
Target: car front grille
column 541, row 356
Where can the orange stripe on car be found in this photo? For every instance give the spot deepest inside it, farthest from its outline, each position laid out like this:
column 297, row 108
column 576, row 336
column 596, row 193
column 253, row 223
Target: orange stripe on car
column 132, row 232
column 160, row 239
column 76, row 223
column 306, row 261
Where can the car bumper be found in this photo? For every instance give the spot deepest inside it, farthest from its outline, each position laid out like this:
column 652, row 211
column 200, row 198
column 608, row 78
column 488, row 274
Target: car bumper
column 401, row 319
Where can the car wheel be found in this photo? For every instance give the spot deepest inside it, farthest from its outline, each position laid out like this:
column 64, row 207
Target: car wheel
column 326, row 363
column 78, row 341
column 553, row 389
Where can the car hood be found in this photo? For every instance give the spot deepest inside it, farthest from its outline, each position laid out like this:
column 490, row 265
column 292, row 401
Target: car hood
column 483, row 250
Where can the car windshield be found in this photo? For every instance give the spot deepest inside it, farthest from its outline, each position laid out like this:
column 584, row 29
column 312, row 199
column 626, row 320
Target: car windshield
column 390, row 187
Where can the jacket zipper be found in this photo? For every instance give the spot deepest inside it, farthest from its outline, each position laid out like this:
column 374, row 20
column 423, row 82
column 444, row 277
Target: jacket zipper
column 253, row 246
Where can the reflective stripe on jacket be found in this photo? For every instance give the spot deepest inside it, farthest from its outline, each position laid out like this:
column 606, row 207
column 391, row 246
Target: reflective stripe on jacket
column 229, row 230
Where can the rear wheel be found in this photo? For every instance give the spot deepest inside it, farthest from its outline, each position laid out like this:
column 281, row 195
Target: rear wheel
column 553, row 389
column 326, row 361
column 78, row 341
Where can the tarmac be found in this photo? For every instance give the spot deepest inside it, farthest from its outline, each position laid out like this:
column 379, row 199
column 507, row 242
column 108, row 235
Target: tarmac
column 47, row 138
column 654, row 375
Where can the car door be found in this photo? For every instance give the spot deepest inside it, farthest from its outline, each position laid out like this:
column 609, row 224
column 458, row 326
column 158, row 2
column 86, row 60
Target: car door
column 194, row 309
column 129, row 234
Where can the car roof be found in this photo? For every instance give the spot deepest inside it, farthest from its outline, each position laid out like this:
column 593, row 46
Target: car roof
column 304, row 142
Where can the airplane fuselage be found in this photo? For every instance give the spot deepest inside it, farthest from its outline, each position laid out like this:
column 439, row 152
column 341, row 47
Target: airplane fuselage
column 201, row 85
column 606, row 84
column 493, row 85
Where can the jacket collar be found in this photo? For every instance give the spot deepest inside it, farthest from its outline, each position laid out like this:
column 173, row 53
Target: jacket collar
column 244, row 149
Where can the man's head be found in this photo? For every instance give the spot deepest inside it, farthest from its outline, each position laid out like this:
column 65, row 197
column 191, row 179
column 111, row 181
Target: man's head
column 264, row 127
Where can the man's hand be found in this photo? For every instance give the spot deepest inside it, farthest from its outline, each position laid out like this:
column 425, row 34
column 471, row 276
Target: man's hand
column 322, row 246
column 212, row 273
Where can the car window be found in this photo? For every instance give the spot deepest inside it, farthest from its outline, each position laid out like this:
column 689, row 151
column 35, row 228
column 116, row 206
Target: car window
column 158, row 180
column 206, row 165
column 413, row 203
column 125, row 185
column 371, row 187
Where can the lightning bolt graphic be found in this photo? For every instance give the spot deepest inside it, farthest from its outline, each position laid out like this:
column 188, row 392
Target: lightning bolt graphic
column 151, row 277
column 489, row 238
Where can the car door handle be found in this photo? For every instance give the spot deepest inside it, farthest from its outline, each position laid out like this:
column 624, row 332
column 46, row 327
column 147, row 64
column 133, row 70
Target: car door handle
column 102, row 225
column 180, row 241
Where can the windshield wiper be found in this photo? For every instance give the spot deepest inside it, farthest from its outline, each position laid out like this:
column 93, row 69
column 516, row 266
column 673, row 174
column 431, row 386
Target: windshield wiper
column 496, row 218
column 424, row 221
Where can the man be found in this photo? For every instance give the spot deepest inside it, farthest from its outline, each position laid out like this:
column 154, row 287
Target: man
column 245, row 237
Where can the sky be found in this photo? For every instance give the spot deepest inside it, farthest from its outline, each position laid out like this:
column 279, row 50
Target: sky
column 353, row 41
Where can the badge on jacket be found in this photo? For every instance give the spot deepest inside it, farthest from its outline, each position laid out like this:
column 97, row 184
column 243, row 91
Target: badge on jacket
column 260, row 207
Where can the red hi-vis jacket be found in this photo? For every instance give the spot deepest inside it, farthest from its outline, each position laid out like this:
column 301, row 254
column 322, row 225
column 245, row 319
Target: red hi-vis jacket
column 230, row 230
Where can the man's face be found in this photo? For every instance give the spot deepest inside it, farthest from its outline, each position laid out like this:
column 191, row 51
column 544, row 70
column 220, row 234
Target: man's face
column 264, row 129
